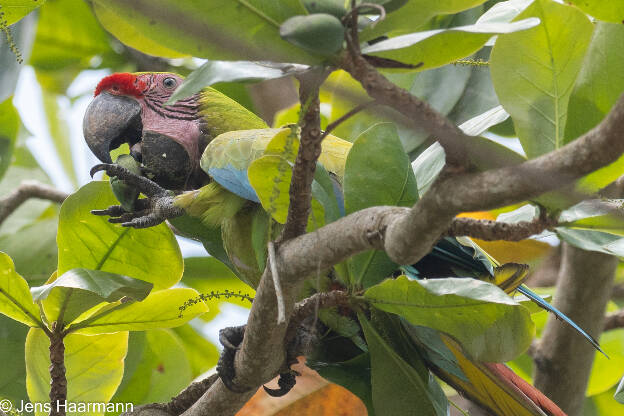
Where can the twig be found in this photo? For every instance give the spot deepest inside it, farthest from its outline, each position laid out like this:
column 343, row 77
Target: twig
column 25, row 191
column 281, row 309
column 492, row 230
column 614, row 320
column 378, row 87
column 331, row 126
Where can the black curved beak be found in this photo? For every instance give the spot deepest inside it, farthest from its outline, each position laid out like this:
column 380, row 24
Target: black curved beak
column 110, row 121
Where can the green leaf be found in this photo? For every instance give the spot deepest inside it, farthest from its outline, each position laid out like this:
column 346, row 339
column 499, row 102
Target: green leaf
column 212, row 72
column 9, row 127
column 160, row 309
column 94, row 367
column 488, row 324
column 479, row 124
column 318, row 33
column 606, row 372
column 377, row 172
column 427, row 166
column 397, row 388
column 599, row 215
column 206, row 275
column 91, row 242
column 171, row 28
column 600, row 81
column 438, row 47
column 13, row 374
column 158, row 368
column 619, row 393
column 354, row 375
column 68, row 35
column 14, row 10
column 16, row 302
column 33, row 248
column 608, row 10
column 593, row 240
column 534, row 72
column 333, row 7
column 270, row 177
column 415, row 14
column 201, row 353
column 80, row 289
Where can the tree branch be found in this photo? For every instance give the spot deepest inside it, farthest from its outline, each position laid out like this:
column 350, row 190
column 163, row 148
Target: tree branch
column 25, row 191
column 492, row 230
column 562, row 358
column 614, row 320
column 309, row 152
column 423, row 116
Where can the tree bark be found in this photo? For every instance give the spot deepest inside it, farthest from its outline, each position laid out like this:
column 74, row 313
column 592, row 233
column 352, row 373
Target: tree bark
column 563, row 360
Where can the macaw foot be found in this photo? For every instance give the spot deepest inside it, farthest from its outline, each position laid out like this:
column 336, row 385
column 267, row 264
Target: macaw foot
column 156, row 208
column 231, row 339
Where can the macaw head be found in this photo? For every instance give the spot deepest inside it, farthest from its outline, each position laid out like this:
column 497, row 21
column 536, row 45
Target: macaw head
column 130, row 108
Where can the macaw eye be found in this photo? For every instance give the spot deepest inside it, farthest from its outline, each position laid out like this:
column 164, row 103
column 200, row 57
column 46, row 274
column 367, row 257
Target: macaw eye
column 169, row 83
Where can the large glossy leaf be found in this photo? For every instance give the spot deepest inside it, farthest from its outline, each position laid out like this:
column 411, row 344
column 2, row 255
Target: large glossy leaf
column 377, row 172
column 91, row 242
column 206, row 275
column 16, row 302
column 608, row 10
column 488, row 323
column 9, row 127
column 94, row 367
column 155, row 369
column 212, row 72
column 77, row 290
column 162, row 309
column 397, row 388
column 415, row 14
column 533, row 72
column 14, row 10
column 441, row 46
column 170, row 28
column 427, row 166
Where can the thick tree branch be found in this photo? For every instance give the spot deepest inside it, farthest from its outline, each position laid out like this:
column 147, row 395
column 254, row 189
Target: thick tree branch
column 25, row 191
column 563, row 359
column 493, row 230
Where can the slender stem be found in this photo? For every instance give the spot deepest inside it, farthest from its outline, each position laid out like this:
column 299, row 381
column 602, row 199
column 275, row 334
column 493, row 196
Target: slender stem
column 25, row 191
column 58, row 380
column 331, row 126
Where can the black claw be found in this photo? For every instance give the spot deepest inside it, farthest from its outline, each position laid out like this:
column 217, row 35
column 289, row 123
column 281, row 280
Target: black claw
column 230, row 338
column 112, row 211
column 99, row 167
column 286, row 383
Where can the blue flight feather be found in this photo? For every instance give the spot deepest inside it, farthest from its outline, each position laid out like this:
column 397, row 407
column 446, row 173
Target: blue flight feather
column 235, row 181
column 560, row 315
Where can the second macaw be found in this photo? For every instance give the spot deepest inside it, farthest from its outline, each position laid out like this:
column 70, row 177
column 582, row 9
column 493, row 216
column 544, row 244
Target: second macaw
column 195, row 147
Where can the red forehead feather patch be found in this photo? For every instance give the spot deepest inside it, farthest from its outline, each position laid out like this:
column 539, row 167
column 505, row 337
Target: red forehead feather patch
column 121, row 84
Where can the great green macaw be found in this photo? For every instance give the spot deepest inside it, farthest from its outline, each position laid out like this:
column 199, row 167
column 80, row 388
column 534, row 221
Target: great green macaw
column 197, row 148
